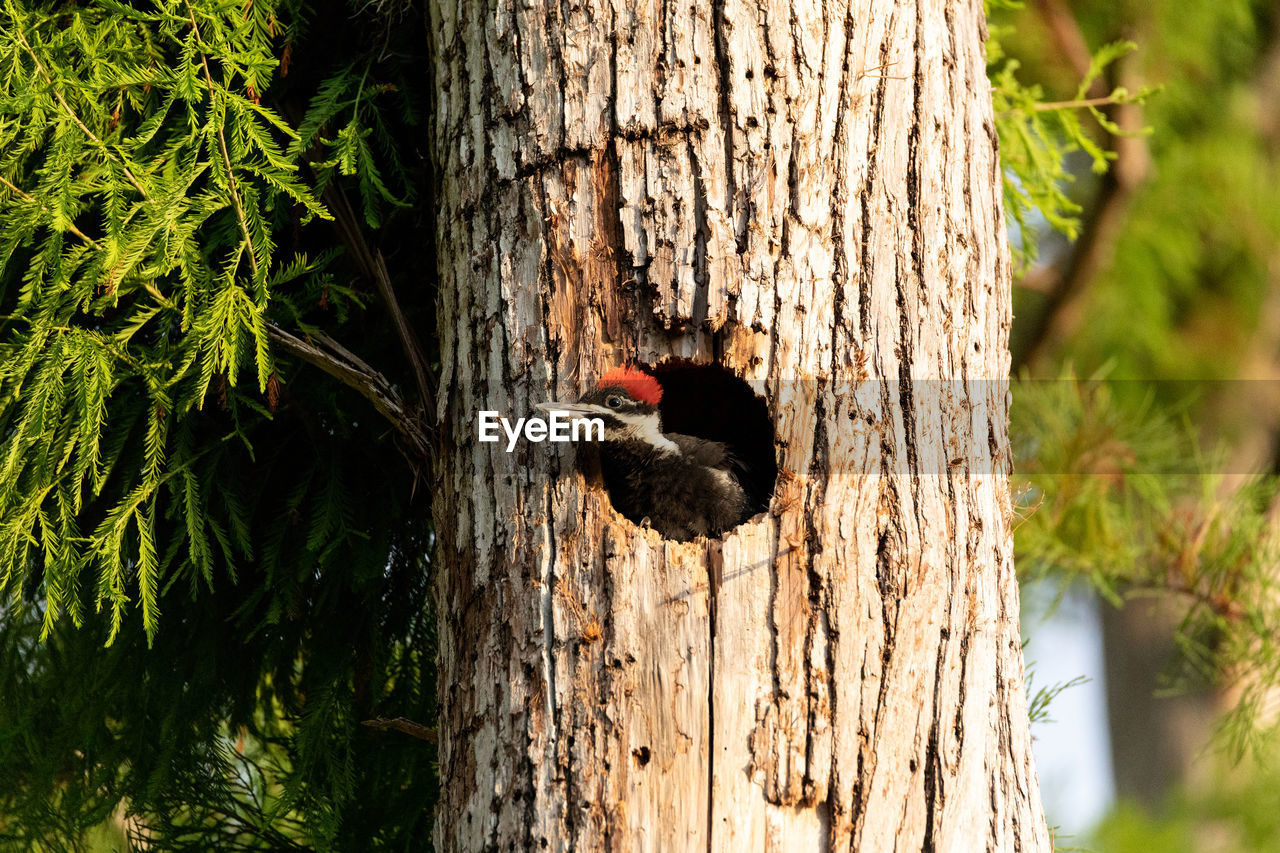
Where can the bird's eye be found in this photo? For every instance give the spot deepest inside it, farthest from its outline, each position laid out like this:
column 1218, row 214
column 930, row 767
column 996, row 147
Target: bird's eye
column 614, row 402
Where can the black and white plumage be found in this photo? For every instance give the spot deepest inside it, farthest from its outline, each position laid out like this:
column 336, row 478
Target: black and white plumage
column 680, row 485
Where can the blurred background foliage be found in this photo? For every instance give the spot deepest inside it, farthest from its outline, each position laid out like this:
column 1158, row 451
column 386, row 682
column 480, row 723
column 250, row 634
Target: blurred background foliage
column 1146, row 343
column 184, row 150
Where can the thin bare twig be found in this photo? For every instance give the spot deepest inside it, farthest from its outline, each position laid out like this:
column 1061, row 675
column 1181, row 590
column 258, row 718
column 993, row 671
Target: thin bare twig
column 330, row 356
column 402, row 724
column 374, row 269
column 1077, row 104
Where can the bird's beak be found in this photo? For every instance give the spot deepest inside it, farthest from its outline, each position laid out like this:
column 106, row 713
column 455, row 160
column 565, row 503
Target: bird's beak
column 575, row 410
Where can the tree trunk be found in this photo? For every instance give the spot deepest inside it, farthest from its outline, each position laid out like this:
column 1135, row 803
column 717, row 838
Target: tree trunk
column 810, row 196
column 1157, row 742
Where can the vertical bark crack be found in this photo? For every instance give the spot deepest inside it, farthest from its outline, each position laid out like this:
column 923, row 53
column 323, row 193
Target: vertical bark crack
column 720, row 38
column 701, row 274
column 715, row 568
column 547, row 574
column 867, row 193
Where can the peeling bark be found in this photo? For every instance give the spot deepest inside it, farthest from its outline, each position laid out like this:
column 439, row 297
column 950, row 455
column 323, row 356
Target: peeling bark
column 809, row 194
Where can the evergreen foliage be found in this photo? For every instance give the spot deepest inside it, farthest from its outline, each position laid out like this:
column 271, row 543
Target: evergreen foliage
column 1038, row 137
column 1197, row 257
column 213, row 563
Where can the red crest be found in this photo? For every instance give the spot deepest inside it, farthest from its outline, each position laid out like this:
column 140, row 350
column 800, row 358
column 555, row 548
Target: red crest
column 635, row 382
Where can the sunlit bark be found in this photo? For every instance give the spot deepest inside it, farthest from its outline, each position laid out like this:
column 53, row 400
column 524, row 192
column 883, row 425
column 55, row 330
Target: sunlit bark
column 810, row 195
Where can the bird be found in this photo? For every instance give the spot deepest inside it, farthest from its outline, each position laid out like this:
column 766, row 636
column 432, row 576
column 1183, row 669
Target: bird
column 679, row 485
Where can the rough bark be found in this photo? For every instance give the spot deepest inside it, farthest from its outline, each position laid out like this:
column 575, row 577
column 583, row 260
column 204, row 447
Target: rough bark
column 809, row 194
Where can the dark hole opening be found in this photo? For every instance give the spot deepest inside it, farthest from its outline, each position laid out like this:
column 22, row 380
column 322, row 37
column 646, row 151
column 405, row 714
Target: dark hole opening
column 709, row 401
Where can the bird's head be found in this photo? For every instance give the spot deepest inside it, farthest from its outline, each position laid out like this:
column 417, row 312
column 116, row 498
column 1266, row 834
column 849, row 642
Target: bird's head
column 626, row 399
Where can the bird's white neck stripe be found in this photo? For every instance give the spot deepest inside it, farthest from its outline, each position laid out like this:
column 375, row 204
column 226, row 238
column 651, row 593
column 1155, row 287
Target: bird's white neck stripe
column 649, row 433
column 648, row 428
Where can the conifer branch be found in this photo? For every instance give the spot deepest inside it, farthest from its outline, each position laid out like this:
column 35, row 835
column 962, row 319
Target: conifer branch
column 119, row 486
column 1093, row 249
column 53, row 88
column 28, row 197
column 222, row 144
column 146, row 284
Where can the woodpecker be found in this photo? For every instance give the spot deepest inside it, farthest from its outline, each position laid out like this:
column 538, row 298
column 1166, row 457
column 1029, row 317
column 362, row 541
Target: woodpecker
column 679, row 485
